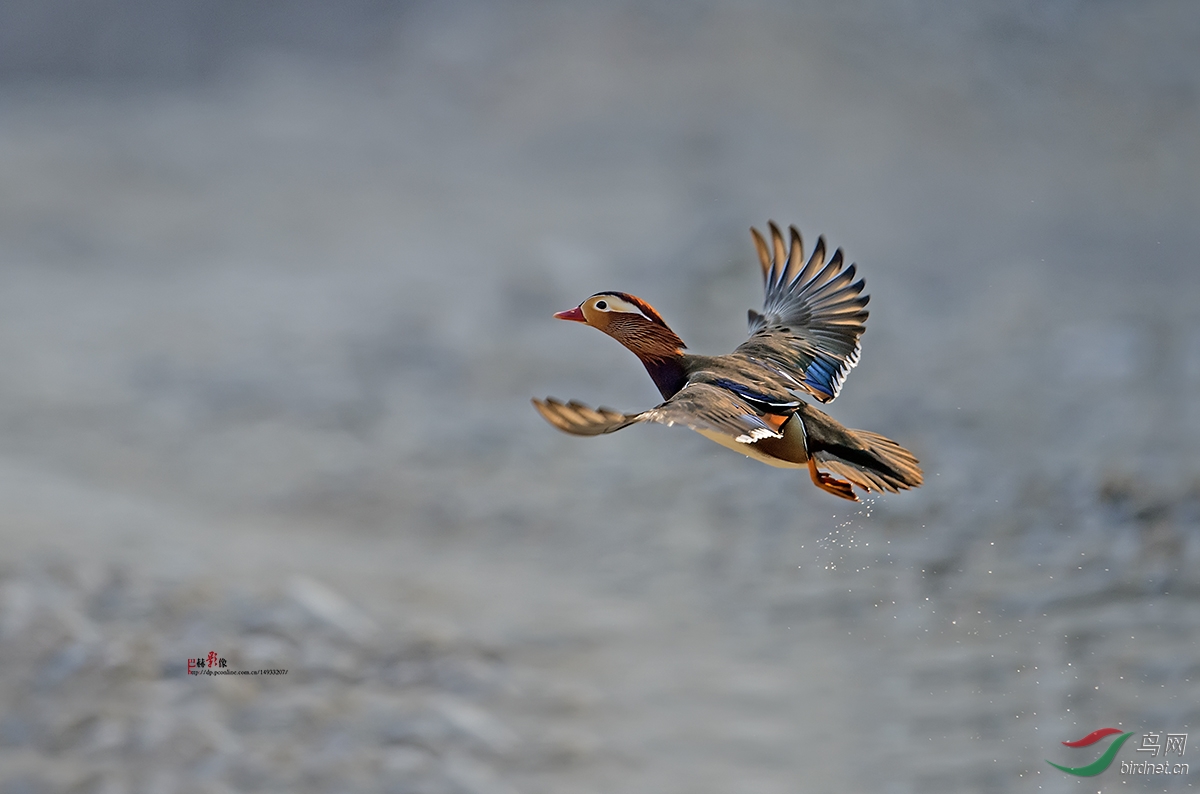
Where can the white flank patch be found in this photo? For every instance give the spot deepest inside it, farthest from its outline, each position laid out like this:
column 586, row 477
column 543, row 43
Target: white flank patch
column 758, row 434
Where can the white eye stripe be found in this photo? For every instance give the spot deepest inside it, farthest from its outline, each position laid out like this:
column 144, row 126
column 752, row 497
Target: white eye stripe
column 615, row 304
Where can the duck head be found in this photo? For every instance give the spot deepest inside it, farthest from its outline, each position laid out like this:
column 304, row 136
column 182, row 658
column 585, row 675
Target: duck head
column 631, row 321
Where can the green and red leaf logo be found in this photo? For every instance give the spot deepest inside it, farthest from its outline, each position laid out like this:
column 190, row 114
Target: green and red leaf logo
column 1101, row 763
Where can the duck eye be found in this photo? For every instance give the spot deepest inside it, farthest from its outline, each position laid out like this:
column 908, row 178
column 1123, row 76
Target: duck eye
column 602, row 305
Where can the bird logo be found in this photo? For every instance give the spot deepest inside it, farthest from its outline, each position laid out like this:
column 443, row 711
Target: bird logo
column 1104, row 761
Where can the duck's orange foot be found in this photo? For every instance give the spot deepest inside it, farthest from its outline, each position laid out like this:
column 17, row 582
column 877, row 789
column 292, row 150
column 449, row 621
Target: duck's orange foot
column 830, row 484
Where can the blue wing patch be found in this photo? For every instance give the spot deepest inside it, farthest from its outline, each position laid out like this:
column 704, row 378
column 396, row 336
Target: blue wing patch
column 821, row 375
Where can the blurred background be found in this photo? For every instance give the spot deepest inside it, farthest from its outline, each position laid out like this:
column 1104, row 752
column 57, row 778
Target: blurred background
column 275, row 290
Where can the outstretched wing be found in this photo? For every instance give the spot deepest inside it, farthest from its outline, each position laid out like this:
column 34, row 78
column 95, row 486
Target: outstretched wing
column 812, row 317
column 700, row 406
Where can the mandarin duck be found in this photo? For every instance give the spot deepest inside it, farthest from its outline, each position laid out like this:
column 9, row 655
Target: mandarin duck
column 804, row 342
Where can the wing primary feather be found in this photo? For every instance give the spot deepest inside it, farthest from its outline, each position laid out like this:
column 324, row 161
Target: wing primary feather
column 845, row 305
column 848, row 319
column 837, row 258
column 764, row 256
column 797, row 243
column 795, row 260
column 818, row 255
column 804, row 276
column 780, row 254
